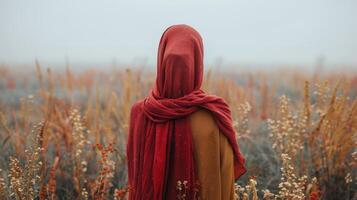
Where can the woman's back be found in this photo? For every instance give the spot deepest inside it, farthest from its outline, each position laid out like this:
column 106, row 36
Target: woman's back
column 213, row 158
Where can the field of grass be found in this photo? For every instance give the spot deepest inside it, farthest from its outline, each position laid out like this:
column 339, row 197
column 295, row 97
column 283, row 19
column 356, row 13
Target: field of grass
column 63, row 133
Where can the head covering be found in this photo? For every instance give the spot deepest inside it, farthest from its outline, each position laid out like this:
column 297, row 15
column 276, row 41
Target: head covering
column 160, row 146
column 179, row 62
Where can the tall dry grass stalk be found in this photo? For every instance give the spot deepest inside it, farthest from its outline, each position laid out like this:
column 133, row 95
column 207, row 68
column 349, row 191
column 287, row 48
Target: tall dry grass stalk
column 102, row 184
column 80, row 140
column 24, row 179
column 50, row 188
column 291, row 186
column 3, row 189
column 288, row 131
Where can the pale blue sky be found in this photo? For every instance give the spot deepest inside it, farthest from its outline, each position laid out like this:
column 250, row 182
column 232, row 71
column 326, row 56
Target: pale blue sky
column 251, row 31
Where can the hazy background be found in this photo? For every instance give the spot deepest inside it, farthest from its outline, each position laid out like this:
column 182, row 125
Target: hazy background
column 107, row 31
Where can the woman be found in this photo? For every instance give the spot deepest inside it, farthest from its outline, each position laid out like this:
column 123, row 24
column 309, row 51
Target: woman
column 181, row 142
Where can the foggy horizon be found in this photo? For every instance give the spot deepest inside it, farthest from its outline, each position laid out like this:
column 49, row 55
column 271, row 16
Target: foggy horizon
column 255, row 33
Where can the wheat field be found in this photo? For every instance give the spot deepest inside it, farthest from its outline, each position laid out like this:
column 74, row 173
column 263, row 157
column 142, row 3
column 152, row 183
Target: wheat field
column 63, row 132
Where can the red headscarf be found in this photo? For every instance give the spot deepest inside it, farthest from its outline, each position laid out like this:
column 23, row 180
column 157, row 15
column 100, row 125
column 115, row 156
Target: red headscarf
column 160, row 149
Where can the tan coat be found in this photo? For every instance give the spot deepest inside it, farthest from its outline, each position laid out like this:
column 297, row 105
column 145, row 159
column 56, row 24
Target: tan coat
column 213, row 157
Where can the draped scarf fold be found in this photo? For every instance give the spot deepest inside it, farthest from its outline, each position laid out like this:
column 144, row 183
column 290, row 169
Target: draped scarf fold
column 160, row 147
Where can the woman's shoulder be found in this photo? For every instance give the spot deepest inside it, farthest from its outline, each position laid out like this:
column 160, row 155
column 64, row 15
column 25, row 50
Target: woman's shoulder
column 136, row 108
column 203, row 121
column 137, row 105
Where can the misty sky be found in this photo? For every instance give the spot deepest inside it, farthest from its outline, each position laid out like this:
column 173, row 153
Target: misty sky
column 251, row 31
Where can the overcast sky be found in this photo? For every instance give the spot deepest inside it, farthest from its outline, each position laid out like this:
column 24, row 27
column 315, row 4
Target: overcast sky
column 249, row 31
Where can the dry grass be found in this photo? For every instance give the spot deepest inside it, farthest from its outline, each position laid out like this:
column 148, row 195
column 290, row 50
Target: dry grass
column 298, row 132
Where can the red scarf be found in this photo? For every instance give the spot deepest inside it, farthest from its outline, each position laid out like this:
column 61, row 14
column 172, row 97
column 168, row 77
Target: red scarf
column 160, row 147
